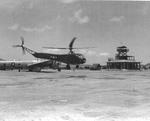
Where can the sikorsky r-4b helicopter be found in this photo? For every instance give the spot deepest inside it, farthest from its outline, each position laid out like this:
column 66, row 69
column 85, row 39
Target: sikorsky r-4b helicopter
column 70, row 58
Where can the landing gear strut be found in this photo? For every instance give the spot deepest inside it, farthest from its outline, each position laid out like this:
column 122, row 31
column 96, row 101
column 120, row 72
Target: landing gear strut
column 68, row 67
column 58, row 67
column 77, row 66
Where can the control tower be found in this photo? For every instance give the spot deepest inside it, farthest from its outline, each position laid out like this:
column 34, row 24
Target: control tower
column 123, row 60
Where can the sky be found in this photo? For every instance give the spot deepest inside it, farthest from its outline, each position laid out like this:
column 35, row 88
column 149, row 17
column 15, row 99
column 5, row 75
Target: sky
column 104, row 25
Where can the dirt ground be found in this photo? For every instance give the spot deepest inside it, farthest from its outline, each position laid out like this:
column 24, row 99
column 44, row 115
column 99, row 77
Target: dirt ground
column 80, row 95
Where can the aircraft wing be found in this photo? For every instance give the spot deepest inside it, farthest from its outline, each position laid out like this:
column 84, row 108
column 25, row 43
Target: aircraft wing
column 40, row 65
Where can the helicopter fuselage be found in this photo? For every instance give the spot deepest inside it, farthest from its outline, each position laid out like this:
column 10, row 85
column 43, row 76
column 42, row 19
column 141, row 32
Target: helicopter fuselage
column 71, row 58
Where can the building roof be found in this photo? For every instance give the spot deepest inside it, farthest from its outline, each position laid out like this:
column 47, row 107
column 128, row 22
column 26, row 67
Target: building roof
column 114, row 61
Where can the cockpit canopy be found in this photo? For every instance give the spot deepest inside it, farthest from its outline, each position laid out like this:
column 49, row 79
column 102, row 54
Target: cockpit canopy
column 80, row 55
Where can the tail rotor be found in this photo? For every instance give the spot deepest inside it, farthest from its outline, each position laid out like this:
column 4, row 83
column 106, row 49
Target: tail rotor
column 22, row 45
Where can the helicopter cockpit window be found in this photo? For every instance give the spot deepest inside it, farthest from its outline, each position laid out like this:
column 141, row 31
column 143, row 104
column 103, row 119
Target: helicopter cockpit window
column 80, row 55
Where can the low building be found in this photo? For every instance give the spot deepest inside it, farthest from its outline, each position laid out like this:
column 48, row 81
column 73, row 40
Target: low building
column 95, row 67
column 123, row 60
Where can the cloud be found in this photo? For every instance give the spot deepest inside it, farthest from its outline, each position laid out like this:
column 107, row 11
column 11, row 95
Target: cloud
column 117, row 19
column 35, row 29
column 93, row 53
column 11, row 3
column 72, row 1
column 88, row 52
column 104, row 54
column 145, row 9
column 68, row 1
column 14, row 27
column 79, row 18
column 97, row 54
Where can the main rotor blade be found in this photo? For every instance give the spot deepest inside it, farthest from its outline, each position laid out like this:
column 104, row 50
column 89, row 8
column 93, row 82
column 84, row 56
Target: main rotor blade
column 55, row 48
column 16, row 46
column 71, row 43
column 83, row 48
column 23, row 51
column 22, row 40
column 68, row 48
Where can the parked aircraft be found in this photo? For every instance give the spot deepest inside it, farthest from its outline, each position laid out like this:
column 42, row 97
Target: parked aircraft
column 33, row 65
column 69, row 58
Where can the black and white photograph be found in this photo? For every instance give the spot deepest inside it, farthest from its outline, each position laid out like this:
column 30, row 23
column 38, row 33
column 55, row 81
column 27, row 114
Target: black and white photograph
column 74, row 60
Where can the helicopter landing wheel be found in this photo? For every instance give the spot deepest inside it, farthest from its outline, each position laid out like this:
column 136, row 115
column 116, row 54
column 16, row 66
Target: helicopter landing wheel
column 59, row 69
column 68, row 67
column 77, row 66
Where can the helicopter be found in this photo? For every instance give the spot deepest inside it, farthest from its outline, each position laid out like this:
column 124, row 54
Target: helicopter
column 71, row 58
